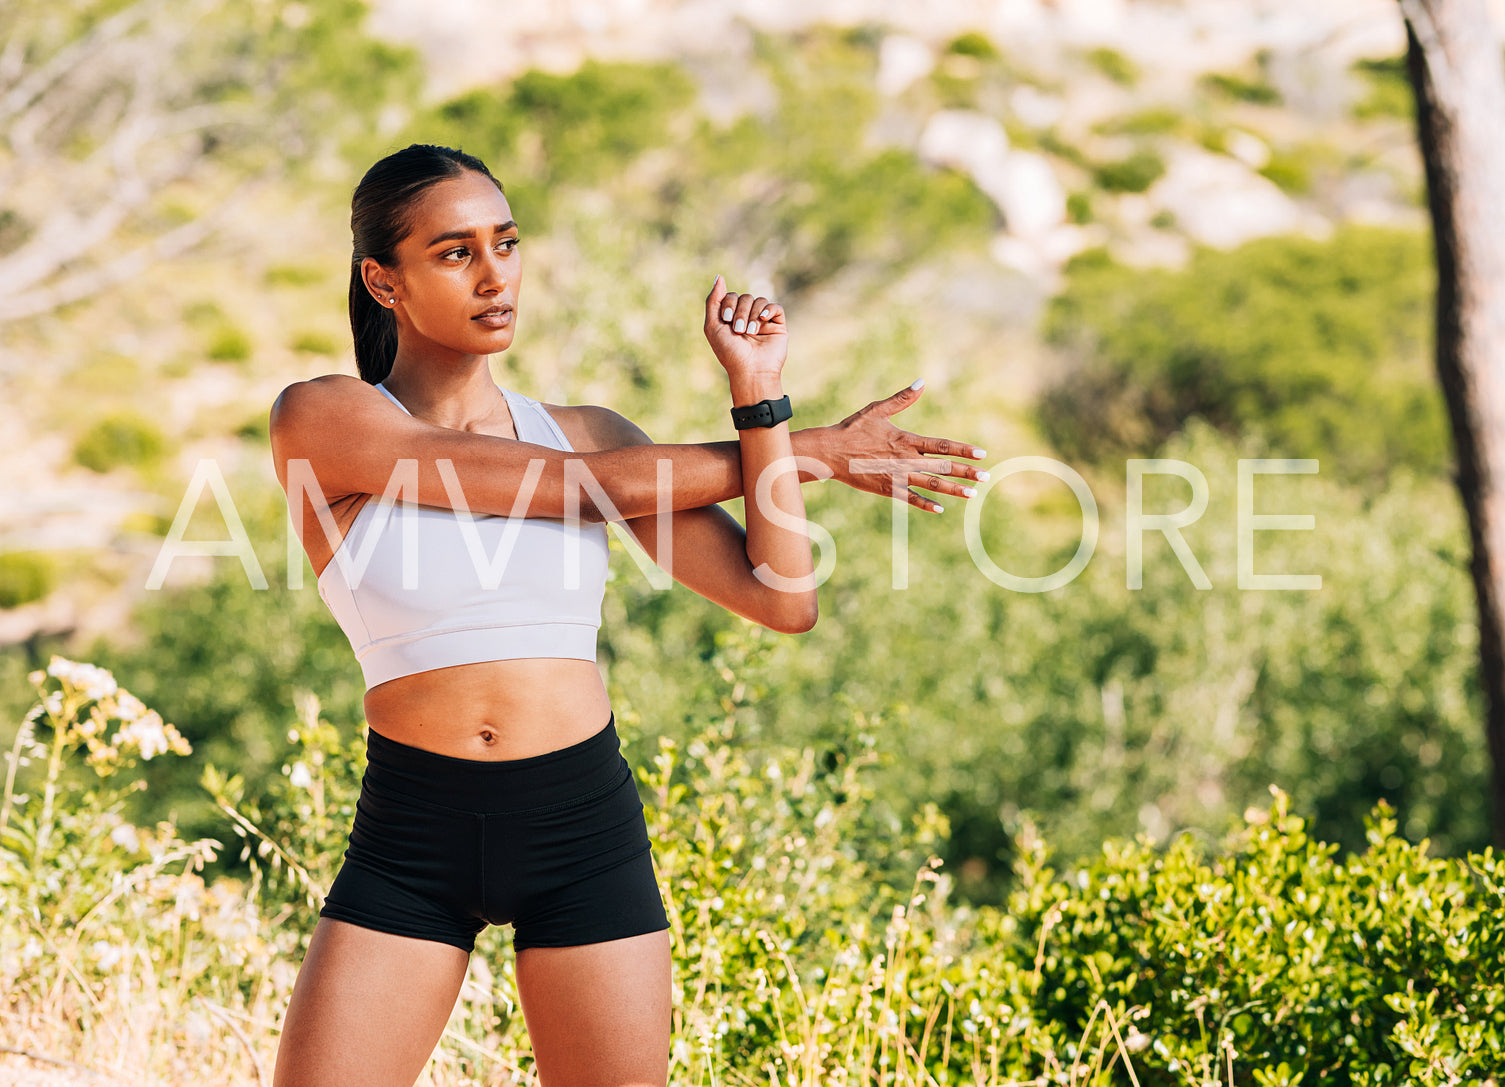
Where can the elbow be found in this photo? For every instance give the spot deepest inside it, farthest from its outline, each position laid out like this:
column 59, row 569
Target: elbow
column 795, row 619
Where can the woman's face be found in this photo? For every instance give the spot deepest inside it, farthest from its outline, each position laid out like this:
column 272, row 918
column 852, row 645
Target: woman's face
column 458, row 270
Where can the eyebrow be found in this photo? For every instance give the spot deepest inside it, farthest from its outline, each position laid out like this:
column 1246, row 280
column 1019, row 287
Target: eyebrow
column 461, row 235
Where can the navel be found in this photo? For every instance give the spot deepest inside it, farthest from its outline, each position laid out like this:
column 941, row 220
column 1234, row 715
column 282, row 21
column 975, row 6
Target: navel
column 488, row 737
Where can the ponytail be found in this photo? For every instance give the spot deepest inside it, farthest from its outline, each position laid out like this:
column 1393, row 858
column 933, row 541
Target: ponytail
column 380, row 217
column 374, row 328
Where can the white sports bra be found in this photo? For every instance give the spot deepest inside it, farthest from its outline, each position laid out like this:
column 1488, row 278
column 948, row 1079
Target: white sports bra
column 481, row 587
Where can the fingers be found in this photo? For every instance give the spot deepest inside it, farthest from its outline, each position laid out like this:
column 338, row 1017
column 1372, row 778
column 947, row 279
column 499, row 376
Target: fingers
column 743, row 314
column 922, row 472
column 713, row 303
column 949, row 447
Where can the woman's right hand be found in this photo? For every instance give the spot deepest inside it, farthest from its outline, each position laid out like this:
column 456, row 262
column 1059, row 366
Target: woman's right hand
column 746, row 333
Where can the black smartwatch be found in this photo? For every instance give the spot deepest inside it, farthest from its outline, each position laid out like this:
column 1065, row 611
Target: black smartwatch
column 763, row 413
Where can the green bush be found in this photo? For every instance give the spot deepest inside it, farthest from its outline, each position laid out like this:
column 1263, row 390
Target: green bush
column 229, row 344
column 25, row 576
column 1241, row 89
column 1320, row 344
column 120, row 439
column 1388, row 89
column 1154, row 121
column 1136, row 173
column 973, row 43
column 1115, row 65
column 315, row 342
column 815, row 940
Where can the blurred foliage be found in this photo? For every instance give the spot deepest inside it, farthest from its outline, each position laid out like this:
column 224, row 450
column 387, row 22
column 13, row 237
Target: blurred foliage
column 229, row 343
column 1257, row 91
column 223, row 659
column 1387, row 89
column 25, row 576
column 1135, row 173
column 973, row 43
column 1320, row 345
column 823, row 201
column 1115, row 65
column 120, row 439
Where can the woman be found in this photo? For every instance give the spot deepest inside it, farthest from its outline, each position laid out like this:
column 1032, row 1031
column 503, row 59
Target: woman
column 495, row 790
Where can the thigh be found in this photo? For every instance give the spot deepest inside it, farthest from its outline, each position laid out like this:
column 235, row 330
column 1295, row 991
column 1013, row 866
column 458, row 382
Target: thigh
column 599, row 1014
column 368, row 1007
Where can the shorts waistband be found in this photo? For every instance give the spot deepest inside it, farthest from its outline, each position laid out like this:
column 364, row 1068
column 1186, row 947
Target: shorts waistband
column 485, row 785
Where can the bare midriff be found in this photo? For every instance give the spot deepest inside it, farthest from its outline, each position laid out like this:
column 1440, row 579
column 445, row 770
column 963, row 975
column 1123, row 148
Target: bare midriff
column 506, row 709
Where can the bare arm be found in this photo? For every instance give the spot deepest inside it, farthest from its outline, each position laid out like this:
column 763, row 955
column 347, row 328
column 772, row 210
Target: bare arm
column 704, row 549
column 351, row 436
column 750, row 340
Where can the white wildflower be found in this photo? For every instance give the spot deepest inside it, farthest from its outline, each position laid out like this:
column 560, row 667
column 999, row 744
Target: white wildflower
column 126, row 838
column 128, row 707
column 300, row 777
column 93, row 681
column 150, row 735
column 106, row 954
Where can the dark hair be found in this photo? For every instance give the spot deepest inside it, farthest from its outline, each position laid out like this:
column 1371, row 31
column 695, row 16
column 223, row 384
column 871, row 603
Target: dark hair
column 380, row 218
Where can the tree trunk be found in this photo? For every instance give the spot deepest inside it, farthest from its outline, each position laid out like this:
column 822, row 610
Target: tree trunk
column 1454, row 61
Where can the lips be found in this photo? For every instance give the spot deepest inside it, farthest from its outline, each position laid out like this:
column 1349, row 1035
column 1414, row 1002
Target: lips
column 495, row 317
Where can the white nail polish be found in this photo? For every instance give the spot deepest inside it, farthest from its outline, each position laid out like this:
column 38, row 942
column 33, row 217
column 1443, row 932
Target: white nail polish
column 940, row 509
column 764, row 313
column 970, row 492
column 982, row 476
column 978, row 454
column 919, row 382
column 739, row 325
column 726, row 314
column 752, row 328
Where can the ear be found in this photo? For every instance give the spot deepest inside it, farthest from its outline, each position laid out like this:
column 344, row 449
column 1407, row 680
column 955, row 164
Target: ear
column 379, row 281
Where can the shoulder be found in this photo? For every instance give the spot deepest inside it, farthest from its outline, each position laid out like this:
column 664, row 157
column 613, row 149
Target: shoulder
column 592, row 428
column 319, row 394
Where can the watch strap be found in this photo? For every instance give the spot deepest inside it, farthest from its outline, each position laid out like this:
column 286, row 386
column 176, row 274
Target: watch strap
column 765, row 413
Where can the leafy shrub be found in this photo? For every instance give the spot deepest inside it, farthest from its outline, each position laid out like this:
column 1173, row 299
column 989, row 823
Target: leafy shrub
column 973, row 43
column 1320, row 344
column 1115, row 65
column 1388, row 89
column 229, row 344
column 1154, row 121
column 120, row 439
column 1241, row 89
column 315, row 342
column 295, row 275
column 25, row 576
column 1136, row 173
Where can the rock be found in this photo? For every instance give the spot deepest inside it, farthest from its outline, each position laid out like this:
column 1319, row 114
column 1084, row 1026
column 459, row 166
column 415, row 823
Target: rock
column 1034, row 108
column 1219, row 201
column 964, row 139
column 1248, row 148
column 902, row 60
column 1023, row 184
column 1032, row 200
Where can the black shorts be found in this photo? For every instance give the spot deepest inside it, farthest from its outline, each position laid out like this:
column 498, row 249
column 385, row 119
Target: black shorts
column 555, row 845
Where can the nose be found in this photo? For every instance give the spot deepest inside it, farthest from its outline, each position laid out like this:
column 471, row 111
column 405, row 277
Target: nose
column 491, row 273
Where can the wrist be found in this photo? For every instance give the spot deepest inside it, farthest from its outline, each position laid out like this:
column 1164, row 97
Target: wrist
column 750, row 388
column 809, row 442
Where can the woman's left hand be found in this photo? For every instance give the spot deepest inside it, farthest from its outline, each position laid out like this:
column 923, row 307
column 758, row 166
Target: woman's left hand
column 746, row 332
column 868, row 453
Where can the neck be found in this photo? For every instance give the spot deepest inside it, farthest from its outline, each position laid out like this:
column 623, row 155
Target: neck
column 456, row 392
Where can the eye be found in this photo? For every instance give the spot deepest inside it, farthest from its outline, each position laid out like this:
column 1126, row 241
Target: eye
column 510, row 243
column 459, row 251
